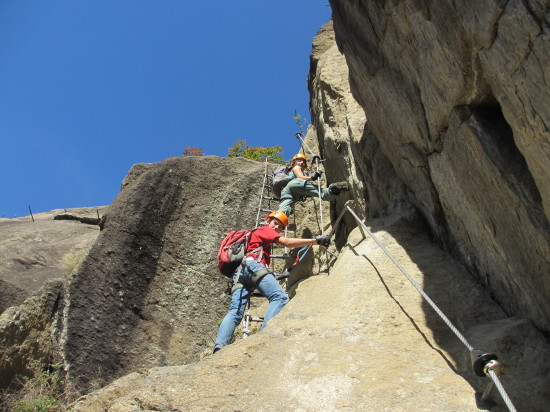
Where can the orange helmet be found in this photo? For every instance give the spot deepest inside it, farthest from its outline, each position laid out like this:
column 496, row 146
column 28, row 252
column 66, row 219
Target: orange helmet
column 299, row 156
column 280, row 216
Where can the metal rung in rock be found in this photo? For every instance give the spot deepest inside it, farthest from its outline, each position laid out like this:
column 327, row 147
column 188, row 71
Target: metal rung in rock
column 278, row 256
column 267, row 210
column 256, row 319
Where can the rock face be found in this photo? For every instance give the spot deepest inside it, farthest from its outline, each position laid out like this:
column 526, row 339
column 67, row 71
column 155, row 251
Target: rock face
column 359, row 338
column 36, row 254
column 26, row 334
column 428, row 133
column 345, row 139
column 457, row 107
column 32, row 250
column 149, row 292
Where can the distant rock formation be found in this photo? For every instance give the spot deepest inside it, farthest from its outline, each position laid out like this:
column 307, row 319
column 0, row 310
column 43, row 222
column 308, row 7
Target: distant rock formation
column 457, row 108
column 32, row 250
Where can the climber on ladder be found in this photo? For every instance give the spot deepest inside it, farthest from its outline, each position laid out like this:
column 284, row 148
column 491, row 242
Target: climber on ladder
column 253, row 274
column 300, row 184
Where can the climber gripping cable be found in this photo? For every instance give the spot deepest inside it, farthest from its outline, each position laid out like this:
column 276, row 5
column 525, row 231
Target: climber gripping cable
column 253, row 274
column 301, row 184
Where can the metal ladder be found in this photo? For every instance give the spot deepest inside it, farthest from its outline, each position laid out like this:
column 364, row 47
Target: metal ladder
column 265, row 206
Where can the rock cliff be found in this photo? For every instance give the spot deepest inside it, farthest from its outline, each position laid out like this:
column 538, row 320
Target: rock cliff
column 456, row 100
column 430, row 112
column 32, row 249
column 359, row 336
column 36, row 254
column 149, row 292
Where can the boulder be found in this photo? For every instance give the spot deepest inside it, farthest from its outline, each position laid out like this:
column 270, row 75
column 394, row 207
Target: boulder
column 149, row 292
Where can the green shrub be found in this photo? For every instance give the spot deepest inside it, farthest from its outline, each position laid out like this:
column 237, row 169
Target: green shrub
column 301, row 122
column 43, row 391
column 72, row 260
column 241, row 149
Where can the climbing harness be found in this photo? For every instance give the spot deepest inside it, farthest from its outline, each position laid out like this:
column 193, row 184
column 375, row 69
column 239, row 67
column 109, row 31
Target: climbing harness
column 483, row 363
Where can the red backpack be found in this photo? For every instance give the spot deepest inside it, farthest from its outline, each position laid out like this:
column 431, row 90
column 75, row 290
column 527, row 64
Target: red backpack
column 232, row 251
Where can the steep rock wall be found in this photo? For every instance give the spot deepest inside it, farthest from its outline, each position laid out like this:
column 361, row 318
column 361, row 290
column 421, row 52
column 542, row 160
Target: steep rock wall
column 149, row 292
column 345, row 139
column 357, row 338
column 456, row 97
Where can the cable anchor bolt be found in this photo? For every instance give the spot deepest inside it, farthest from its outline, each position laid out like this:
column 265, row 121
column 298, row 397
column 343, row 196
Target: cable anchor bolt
column 493, row 365
column 480, row 359
column 496, row 367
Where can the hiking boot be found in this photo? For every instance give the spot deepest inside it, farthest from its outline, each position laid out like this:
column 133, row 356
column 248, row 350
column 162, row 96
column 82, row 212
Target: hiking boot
column 281, row 275
column 336, row 188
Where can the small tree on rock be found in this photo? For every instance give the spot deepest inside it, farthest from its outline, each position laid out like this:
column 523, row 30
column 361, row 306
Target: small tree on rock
column 192, row 151
column 241, row 149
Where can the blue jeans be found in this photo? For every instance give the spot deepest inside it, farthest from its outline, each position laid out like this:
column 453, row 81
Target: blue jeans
column 298, row 187
column 267, row 285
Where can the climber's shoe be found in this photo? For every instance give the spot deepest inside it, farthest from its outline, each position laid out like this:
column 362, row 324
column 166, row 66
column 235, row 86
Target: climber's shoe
column 336, row 188
column 281, row 275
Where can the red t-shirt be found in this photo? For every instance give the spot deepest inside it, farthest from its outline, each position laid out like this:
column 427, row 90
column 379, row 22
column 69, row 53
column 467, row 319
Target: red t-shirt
column 264, row 236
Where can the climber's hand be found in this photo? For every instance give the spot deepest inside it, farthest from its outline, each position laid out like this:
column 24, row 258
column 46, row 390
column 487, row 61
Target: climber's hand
column 316, row 175
column 323, row 240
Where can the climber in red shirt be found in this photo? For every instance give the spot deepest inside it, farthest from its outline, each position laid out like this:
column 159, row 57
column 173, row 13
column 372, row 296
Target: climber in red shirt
column 253, row 274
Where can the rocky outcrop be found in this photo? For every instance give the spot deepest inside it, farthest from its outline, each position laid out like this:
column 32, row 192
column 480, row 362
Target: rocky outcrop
column 149, row 292
column 36, row 254
column 426, row 137
column 26, row 335
column 357, row 338
column 346, row 140
column 457, row 107
column 32, row 249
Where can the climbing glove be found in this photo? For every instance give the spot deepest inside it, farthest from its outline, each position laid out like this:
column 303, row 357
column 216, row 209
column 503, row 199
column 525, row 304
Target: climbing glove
column 316, row 175
column 323, row 240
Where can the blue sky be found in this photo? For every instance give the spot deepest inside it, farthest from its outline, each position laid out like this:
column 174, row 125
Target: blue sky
column 89, row 88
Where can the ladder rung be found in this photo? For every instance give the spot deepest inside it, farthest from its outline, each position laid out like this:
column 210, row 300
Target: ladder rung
column 267, row 210
column 256, row 319
column 278, row 256
column 270, row 198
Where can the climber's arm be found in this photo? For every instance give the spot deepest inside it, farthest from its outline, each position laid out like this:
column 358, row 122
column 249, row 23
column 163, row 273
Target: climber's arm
column 295, row 242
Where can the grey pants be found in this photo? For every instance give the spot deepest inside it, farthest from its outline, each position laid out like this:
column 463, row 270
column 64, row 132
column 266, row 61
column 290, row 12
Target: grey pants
column 298, row 187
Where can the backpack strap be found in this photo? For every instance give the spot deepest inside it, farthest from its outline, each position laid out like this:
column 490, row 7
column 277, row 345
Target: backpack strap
column 259, row 249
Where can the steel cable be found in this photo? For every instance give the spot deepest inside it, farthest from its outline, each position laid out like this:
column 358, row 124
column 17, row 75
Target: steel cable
column 491, row 373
